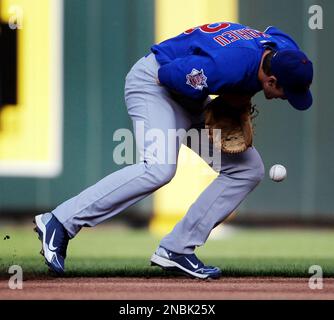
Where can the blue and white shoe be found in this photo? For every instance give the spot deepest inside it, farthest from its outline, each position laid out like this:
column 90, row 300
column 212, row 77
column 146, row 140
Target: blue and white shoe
column 54, row 238
column 188, row 264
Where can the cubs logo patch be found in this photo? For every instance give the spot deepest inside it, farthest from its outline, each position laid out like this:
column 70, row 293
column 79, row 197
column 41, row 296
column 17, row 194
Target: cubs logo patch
column 197, row 79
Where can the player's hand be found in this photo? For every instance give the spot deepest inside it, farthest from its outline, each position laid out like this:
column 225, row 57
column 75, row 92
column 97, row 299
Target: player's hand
column 229, row 123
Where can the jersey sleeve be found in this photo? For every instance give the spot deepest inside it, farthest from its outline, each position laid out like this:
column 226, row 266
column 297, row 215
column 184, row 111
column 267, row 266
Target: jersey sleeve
column 198, row 76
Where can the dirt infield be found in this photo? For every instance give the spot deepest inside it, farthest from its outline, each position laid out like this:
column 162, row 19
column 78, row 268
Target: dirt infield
column 167, row 289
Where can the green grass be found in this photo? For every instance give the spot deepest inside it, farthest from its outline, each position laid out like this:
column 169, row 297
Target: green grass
column 110, row 251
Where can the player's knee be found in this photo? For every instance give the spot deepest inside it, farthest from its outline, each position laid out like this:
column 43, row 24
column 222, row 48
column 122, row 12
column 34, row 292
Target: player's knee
column 161, row 174
column 254, row 168
column 165, row 174
column 251, row 170
column 257, row 171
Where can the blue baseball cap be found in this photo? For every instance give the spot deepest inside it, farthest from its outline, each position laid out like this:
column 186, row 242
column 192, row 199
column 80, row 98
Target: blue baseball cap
column 294, row 73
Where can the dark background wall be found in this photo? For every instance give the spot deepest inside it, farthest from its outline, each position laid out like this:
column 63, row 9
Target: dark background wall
column 299, row 140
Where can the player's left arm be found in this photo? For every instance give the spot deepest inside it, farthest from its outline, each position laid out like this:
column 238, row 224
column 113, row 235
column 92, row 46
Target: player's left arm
column 191, row 76
column 197, row 76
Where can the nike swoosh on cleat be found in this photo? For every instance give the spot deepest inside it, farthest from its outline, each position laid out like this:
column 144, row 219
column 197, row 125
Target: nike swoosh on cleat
column 195, row 266
column 51, row 247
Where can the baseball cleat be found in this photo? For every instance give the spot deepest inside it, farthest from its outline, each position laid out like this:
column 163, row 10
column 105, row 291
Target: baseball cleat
column 188, row 264
column 54, row 240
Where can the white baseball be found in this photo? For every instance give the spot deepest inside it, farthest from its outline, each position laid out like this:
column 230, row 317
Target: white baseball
column 277, row 172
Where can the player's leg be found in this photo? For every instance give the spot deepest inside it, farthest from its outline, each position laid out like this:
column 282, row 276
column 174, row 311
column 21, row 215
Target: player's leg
column 238, row 175
column 150, row 107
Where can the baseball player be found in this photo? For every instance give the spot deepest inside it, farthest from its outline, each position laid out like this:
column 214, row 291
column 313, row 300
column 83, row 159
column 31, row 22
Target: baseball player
column 169, row 89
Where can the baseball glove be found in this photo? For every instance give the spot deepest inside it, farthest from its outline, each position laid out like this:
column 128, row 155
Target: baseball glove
column 228, row 119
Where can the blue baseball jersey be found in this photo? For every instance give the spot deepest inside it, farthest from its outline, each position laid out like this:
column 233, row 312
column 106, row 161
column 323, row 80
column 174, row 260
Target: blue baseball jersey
column 216, row 58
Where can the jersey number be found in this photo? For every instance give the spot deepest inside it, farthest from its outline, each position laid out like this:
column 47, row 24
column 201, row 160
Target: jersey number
column 208, row 29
